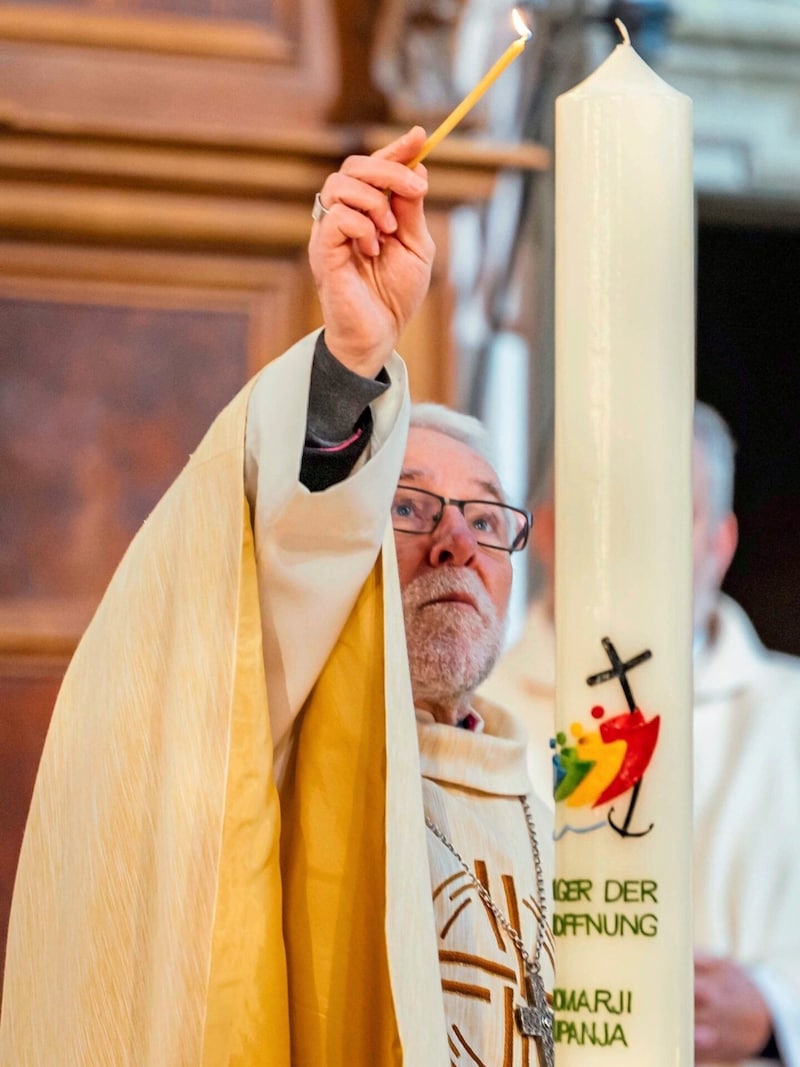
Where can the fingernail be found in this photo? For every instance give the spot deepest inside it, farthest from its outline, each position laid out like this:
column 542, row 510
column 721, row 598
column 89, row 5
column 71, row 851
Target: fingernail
column 390, row 224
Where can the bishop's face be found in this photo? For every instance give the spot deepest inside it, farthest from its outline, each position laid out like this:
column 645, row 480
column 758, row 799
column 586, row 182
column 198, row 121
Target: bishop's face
column 455, row 592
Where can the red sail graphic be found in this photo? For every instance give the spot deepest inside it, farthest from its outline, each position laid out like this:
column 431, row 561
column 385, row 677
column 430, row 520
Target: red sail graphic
column 641, row 738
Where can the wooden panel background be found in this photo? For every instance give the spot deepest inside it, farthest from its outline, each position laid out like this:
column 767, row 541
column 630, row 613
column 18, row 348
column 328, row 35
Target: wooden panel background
column 101, row 406
column 158, row 162
column 182, row 67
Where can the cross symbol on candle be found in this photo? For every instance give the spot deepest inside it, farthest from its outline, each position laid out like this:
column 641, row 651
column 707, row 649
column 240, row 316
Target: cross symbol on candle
column 619, row 669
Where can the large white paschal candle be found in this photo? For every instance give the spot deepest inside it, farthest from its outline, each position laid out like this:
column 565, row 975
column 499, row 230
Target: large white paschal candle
column 624, row 400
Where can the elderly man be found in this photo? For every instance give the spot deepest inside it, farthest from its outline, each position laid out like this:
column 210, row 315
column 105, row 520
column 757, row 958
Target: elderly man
column 746, row 779
column 242, row 849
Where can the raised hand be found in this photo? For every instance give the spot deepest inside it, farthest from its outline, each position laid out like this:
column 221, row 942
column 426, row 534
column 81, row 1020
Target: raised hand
column 371, row 252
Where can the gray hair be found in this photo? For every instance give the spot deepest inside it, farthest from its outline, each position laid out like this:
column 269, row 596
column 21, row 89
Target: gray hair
column 713, row 435
column 464, row 428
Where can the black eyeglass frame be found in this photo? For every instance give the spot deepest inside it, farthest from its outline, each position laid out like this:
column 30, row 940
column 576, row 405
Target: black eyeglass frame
column 520, row 541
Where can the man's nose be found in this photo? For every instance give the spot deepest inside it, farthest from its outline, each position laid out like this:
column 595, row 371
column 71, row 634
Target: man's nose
column 452, row 542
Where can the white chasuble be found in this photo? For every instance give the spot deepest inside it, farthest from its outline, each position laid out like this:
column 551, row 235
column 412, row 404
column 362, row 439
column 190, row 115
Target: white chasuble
column 472, row 784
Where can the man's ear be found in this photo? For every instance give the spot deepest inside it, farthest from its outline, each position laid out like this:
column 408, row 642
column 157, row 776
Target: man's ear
column 726, row 538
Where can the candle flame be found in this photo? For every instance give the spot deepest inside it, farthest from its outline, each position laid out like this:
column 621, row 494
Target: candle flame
column 520, row 25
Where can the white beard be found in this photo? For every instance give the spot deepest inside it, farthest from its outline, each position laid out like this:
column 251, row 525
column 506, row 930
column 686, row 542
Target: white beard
column 451, row 647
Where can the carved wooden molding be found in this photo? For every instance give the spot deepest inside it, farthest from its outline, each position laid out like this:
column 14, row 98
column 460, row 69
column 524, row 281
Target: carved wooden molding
column 240, row 195
column 37, row 630
column 169, row 34
column 155, row 219
column 163, row 70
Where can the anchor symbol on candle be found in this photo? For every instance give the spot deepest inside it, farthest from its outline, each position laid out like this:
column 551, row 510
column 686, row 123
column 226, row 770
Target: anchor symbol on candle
column 618, row 729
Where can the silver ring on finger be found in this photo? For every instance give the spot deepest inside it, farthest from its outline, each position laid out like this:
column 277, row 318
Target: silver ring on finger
column 319, row 211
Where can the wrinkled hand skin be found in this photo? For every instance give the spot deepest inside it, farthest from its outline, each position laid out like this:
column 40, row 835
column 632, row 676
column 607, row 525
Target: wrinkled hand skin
column 371, row 254
column 732, row 1020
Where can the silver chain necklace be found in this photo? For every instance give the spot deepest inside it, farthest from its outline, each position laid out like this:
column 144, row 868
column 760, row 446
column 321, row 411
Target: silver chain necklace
column 535, row 1017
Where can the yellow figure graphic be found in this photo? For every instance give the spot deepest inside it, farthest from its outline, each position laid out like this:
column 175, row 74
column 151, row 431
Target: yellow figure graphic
column 607, row 758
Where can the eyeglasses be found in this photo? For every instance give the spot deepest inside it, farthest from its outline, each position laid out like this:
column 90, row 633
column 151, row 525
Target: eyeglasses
column 494, row 525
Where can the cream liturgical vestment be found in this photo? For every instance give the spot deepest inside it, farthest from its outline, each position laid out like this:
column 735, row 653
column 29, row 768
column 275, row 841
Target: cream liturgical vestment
column 473, row 782
column 226, row 848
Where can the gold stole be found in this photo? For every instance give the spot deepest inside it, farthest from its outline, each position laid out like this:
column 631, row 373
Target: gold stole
column 328, row 882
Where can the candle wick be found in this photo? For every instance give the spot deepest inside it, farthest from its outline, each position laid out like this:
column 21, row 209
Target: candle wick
column 623, row 31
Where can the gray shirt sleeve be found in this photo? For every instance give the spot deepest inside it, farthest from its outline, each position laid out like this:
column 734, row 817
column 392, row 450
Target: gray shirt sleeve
column 339, row 419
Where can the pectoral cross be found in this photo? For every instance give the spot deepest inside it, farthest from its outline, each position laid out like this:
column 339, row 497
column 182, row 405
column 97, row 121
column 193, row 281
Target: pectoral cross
column 535, row 1018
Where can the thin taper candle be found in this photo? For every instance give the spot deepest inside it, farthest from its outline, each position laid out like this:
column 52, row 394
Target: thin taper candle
column 471, row 99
